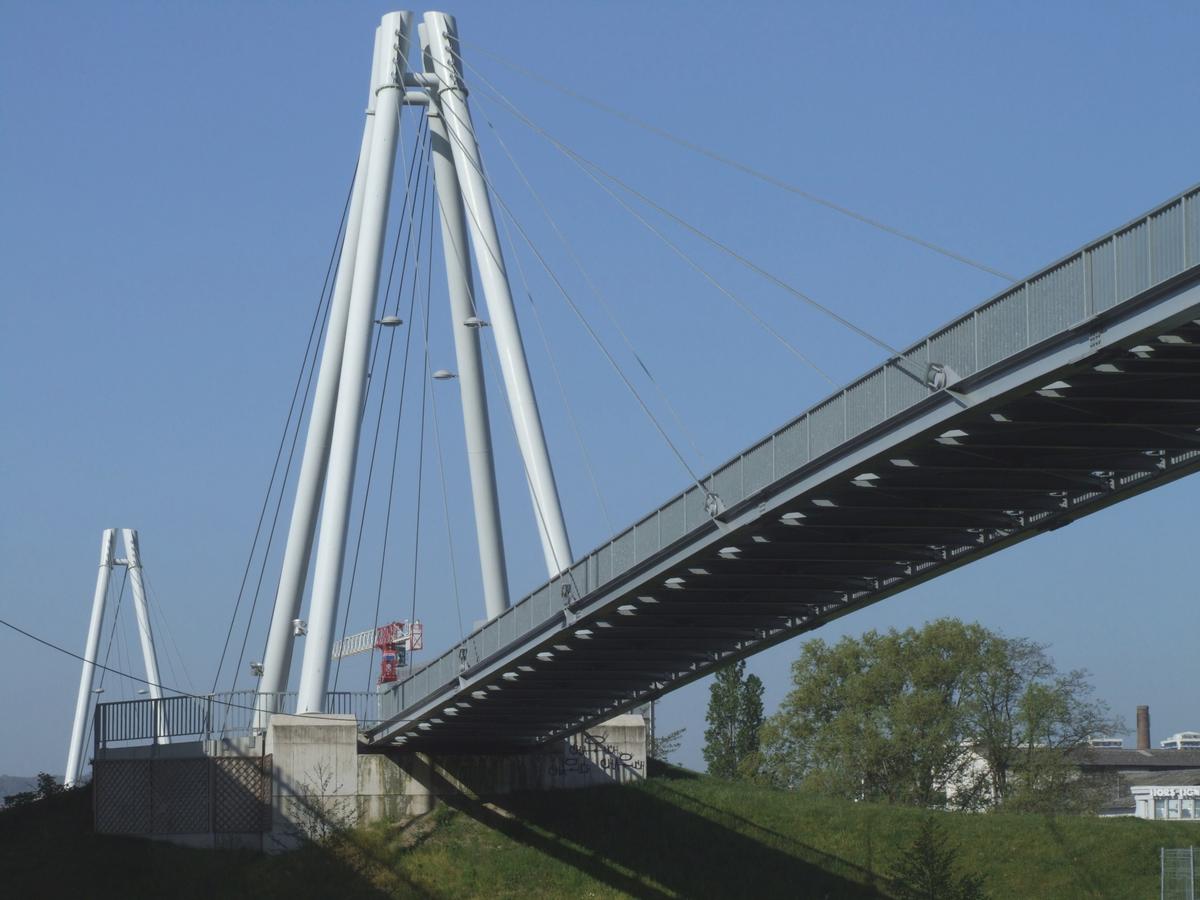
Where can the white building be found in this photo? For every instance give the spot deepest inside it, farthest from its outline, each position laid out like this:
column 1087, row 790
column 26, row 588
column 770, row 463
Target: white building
column 1175, row 802
column 1183, row 740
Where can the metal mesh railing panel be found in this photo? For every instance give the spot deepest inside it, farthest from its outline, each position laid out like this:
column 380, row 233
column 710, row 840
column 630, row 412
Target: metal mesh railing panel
column 1178, row 874
column 180, row 797
column 122, row 796
column 241, row 794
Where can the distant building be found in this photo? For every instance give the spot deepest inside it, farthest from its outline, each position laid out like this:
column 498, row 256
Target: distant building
column 1173, row 796
column 1183, row 740
column 1106, row 743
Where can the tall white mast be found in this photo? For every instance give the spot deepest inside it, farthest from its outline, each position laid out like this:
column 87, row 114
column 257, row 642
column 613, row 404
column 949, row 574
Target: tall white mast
column 466, row 326
column 343, row 452
column 74, row 773
column 277, row 662
column 133, row 561
column 442, row 35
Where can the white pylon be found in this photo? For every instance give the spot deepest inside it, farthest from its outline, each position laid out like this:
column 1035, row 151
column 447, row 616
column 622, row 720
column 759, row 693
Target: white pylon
column 442, row 35
column 343, row 451
column 83, row 702
column 74, row 773
column 466, row 324
column 133, row 563
column 277, row 661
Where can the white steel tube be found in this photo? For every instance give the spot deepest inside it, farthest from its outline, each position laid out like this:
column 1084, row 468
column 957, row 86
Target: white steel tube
column 277, row 662
column 442, row 35
column 473, row 391
column 75, row 751
column 133, row 562
column 343, row 452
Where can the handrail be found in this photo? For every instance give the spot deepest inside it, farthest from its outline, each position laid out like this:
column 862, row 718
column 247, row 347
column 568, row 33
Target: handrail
column 208, row 716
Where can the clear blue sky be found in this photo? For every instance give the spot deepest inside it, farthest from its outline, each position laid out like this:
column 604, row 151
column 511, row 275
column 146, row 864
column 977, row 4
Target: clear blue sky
column 170, row 181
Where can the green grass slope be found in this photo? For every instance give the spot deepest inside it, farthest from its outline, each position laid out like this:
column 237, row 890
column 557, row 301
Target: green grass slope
column 674, row 836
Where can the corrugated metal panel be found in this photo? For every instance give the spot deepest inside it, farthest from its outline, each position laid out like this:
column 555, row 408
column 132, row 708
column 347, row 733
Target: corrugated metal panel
column 758, row 468
column 1191, row 225
column 866, row 403
column 1056, row 301
column 828, row 424
column 1133, row 262
column 646, row 537
column 906, row 380
column 542, row 607
column 604, row 568
column 955, row 347
column 624, row 552
column 1166, row 244
column 791, row 447
column 728, row 483
column 1002, row 325
column 1102, row 267
column 579, row 578
column 693, row 504
column 671, row 522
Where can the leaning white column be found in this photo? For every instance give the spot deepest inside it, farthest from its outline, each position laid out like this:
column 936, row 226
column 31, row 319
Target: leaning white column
column 74, row 773
column 442, row 35
column 277, row 662
column 133, row 561
column 472, row 389
column 343, row 452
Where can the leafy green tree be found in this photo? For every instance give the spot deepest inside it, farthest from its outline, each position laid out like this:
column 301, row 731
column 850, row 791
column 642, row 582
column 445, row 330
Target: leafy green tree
column 877, row 717
column 1024, row 719
column 927, row 869
column 951, row 712
column 735, row 718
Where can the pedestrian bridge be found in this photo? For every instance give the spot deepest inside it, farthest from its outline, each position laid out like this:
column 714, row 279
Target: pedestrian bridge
column 1070, row 391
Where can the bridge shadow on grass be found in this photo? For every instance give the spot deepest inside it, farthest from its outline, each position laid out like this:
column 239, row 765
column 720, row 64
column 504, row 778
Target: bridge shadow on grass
column 49, row 849
column 650, row 846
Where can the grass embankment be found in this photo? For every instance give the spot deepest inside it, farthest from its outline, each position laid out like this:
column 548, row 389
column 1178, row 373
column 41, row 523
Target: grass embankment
column 679, row 836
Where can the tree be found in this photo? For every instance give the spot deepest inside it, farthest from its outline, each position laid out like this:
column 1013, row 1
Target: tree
column 948, row 713
column 1025, row 718
column 926, row 869
column 662, row 747
column 735, row 717
column 47, row 786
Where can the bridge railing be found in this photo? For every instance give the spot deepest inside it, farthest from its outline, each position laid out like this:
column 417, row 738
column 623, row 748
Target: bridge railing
column 1127, row 262
column 209, row 716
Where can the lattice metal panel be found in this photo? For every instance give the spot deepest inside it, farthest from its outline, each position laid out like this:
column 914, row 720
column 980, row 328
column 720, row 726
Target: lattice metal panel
column 181, row 802
column 1178, row 878
column 1003, row 327
column 1133, row 261
column 241, row 794
column 955, row 347
column 1191, row 229
column 646, row 537
column 758, row 467
column 1102, row 265
column 866, row 403
column 122, row 792
column 1166, row 244
column 1056, row 300
column 671, row 522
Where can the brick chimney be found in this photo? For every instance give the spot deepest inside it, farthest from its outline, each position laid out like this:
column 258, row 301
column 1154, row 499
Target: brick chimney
column 1143, row 728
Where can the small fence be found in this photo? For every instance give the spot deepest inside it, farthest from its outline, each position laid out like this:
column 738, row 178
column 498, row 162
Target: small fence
column 212, row 716
column 1177, row 879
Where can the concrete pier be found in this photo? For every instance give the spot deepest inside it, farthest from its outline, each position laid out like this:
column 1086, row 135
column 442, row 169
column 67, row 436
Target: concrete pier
column 308, row 777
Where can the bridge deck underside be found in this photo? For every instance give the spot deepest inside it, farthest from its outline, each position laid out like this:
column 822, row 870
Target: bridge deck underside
column 996, row 469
